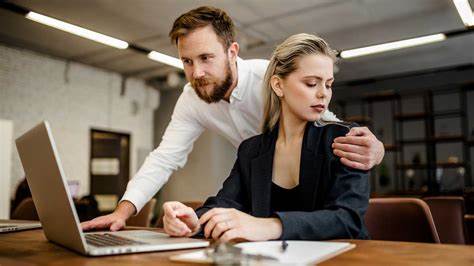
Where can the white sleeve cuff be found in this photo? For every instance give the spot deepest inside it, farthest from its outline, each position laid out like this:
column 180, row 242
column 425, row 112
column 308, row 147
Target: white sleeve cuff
column 136, row 197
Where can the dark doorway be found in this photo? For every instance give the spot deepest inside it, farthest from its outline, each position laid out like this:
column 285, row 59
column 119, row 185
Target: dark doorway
column 109, row 162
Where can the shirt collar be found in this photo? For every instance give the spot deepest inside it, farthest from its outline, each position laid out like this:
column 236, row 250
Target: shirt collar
column 242, row 70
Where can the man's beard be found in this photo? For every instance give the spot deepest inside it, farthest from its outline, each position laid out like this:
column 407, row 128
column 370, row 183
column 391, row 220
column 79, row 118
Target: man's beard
column 219, row 91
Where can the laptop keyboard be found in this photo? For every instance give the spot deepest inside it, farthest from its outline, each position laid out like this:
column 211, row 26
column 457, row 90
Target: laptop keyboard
column 107, row 240
column 7, row 226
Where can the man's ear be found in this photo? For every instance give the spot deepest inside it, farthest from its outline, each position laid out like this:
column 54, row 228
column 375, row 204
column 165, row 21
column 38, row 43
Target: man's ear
column 233, row 52
column 276, row 83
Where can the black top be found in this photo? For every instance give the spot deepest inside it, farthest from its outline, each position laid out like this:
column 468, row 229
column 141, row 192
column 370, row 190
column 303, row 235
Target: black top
column 334, row 197
column 283, row 199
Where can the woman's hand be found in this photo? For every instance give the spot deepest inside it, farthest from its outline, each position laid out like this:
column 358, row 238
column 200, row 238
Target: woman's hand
column 179, row 219
column 230, row 224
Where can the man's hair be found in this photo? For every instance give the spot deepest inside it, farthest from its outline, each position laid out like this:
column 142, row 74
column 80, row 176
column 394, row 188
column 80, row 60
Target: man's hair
column 201, row 17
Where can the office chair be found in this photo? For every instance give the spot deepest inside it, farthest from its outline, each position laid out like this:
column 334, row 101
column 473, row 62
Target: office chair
column 448, row 215
column 400, row 219
column 143, row 218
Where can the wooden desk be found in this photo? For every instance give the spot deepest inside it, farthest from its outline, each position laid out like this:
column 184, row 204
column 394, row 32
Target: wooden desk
column 32, row 248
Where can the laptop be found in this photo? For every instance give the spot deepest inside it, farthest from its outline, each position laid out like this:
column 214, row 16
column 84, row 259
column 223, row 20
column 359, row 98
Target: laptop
column 44, row 172
column 17, row 225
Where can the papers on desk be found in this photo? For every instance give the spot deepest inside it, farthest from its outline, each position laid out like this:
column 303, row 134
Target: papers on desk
column 297, row 252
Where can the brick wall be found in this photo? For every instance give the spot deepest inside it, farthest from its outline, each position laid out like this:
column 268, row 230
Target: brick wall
column 74, row 98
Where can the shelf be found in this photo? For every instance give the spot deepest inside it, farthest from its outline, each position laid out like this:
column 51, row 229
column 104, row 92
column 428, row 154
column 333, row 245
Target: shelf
column 390, row 147
column 436, row 139
column 412, row 166
column 383, row 96
column 450, row 165
column 448, row 138
column 470, row 142
column 358, row 119
column 424, row 165
column 413, row 141
column 412, row 116
column 448, row 114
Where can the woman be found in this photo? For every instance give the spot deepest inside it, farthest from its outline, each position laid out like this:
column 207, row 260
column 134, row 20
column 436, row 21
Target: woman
column 286, row 182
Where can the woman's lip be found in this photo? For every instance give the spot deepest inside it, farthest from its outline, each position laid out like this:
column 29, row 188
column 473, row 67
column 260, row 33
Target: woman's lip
column 318, row 108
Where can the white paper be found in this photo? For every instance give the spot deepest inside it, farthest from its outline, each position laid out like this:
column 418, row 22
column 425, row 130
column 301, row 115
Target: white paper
column 296, row 253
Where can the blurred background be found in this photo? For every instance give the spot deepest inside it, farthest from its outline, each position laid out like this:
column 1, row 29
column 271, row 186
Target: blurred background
column 109, row 106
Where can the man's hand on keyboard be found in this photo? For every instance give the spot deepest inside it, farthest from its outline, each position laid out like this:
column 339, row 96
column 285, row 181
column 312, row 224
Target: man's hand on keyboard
column 114, row 221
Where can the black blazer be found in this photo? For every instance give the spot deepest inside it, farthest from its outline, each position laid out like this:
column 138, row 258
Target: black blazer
column 336, row 196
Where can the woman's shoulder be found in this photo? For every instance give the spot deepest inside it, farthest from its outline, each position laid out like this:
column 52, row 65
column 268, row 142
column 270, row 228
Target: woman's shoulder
column 328, row 133
column 258, row 144
column 251, row 144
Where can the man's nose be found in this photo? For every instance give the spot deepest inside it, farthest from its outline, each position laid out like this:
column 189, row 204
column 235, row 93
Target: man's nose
column 198, row 71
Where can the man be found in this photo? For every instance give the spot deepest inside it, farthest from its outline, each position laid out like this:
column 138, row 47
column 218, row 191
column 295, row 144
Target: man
column 223, row 95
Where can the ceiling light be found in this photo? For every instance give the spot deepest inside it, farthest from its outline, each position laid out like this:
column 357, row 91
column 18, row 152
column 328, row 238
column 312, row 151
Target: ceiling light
column 76, row 30
column 165, row 59
column 379, row 48
column 465, row 12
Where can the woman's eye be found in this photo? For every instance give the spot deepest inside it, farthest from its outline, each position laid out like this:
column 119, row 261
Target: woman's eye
column 311, row 84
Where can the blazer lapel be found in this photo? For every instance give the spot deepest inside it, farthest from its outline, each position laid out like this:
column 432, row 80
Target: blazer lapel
column 262, row 168
column 310, row 166
column 261, row 175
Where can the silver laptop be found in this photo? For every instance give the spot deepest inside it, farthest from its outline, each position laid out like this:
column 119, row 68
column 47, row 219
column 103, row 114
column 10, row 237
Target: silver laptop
column 17, row 225
column 47, row 181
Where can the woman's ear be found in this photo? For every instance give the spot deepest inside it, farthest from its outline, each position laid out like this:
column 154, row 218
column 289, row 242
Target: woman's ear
column 276, row 83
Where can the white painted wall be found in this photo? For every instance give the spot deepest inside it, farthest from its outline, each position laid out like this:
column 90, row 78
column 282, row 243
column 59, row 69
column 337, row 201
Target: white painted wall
column 6, row 131
column 74, row 98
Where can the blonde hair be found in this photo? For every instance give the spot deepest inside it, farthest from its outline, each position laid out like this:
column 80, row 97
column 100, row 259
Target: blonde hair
column 282, row 63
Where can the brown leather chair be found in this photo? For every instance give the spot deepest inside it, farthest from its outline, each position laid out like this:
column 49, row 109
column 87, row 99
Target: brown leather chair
column 448, row 215
column 400, row 219
column 469, row 222
column 192, row 204
column 26, row 210
column 143, row 218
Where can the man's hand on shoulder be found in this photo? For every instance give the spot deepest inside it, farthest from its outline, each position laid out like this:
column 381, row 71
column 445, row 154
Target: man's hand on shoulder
column 359, row 149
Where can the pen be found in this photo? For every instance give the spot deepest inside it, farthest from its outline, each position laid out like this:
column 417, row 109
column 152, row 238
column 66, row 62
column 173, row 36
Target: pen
column 284, row 245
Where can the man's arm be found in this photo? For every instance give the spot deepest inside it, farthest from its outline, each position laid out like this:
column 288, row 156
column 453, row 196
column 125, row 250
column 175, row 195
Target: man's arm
column 176, row 144
column 359, row 149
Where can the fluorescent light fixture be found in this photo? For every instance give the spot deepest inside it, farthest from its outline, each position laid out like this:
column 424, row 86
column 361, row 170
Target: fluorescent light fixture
column 379, row 48
column 165, row 59
column 465, row 12
column 76, row 30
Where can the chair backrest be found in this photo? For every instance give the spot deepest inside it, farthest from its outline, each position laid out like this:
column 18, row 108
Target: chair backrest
column 469, row 222
column 448, row 215
column 192, row 204
column 400, row 219
column 143, row 218
column 26, row 210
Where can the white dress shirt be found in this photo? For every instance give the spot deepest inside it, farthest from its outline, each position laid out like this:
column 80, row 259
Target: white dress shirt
column 236, row 120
